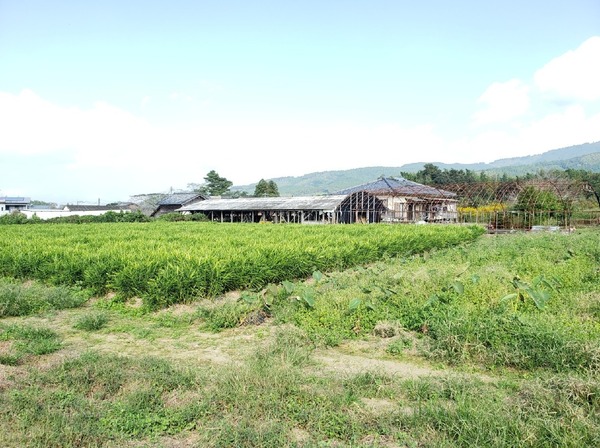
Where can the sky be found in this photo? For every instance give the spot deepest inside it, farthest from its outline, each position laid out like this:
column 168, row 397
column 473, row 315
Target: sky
column 100, row 101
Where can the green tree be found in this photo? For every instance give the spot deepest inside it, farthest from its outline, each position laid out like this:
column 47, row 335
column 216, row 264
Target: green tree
column 591, row 179
column 215, row 185
column 433, row 175
column 534, row 199
column 261, row 188
column 266, row 189
column 273, row 189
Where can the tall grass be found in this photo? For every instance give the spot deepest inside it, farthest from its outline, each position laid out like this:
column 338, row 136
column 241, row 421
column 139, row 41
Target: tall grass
column 166, row 263
column 463, row 304
column 18, row 299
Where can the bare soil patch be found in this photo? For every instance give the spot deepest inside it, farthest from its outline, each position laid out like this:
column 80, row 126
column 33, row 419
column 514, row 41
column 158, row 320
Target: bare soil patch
column 335, row 361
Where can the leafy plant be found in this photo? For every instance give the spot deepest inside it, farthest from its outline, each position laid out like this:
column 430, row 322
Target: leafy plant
column 539, row 291
column 446, row 293
column 356, row 302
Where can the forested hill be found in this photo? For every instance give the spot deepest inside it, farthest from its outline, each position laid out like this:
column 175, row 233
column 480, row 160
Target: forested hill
column 552, row 157
column 584, row 157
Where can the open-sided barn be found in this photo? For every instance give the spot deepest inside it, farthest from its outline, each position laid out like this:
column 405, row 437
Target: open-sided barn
column 408, row 201
column 359, row 206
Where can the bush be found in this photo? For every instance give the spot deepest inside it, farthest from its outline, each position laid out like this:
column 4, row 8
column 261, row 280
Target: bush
column 14, row 218
column 109, row 216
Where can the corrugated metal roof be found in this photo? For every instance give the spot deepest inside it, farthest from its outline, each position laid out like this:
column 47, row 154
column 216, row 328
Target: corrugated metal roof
column 399, row 187
column 94, row 208
column 325, row 203
column 180, row 198
column 15, row 200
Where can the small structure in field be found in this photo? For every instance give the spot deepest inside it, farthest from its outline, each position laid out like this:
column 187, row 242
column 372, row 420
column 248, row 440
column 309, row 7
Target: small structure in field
column 175, row 201
column 409, row 201
column 344, row 209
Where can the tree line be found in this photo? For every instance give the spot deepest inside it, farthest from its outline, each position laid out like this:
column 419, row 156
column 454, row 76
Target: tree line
column 216, row 185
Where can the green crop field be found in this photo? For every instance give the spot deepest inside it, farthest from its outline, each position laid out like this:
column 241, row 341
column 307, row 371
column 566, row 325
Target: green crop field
column 166, row 263
column 370, row 336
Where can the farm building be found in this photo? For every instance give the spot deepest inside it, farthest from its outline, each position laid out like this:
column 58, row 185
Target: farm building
column 11, row 204
column 175, row 201
column 408, row 201
column 359, row 206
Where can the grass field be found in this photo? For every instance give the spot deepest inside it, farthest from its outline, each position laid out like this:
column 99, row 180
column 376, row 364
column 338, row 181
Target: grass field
column 490, row 342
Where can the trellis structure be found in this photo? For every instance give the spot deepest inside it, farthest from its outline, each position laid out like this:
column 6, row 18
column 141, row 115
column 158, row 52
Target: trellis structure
column 527, row 204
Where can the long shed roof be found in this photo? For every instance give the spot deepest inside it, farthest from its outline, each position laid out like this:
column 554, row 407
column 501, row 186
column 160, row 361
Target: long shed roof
column 398, row 186
column 181, row 198
column 325, row 203
column 14, row 200
column 94, row 208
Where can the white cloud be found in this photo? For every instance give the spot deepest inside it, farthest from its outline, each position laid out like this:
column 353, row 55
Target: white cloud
column 502, row 102
column 104, row 151
column 103, row 133
column 124, row 151
column 574, row 75
column 568, row 127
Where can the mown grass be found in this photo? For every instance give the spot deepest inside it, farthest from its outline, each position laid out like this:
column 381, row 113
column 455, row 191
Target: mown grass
column 277, row 397
column 24, row 340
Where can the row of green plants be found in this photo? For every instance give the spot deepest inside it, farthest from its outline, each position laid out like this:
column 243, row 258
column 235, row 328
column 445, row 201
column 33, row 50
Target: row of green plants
column 166, row 263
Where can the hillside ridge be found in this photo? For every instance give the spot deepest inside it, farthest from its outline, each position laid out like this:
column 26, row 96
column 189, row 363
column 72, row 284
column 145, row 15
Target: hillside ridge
column 585, row 156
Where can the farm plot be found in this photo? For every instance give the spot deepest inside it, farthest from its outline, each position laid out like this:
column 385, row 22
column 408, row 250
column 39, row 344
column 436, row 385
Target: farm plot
column 166, row 263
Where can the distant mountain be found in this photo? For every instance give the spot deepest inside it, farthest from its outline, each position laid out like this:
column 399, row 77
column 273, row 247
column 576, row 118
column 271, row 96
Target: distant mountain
column 326, row 182
column 585, row 157
column 554, row 155
column 589, row 162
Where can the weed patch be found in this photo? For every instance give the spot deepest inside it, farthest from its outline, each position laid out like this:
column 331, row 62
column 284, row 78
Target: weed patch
column 27, row 341
column 18, row 299
column 91, row 321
